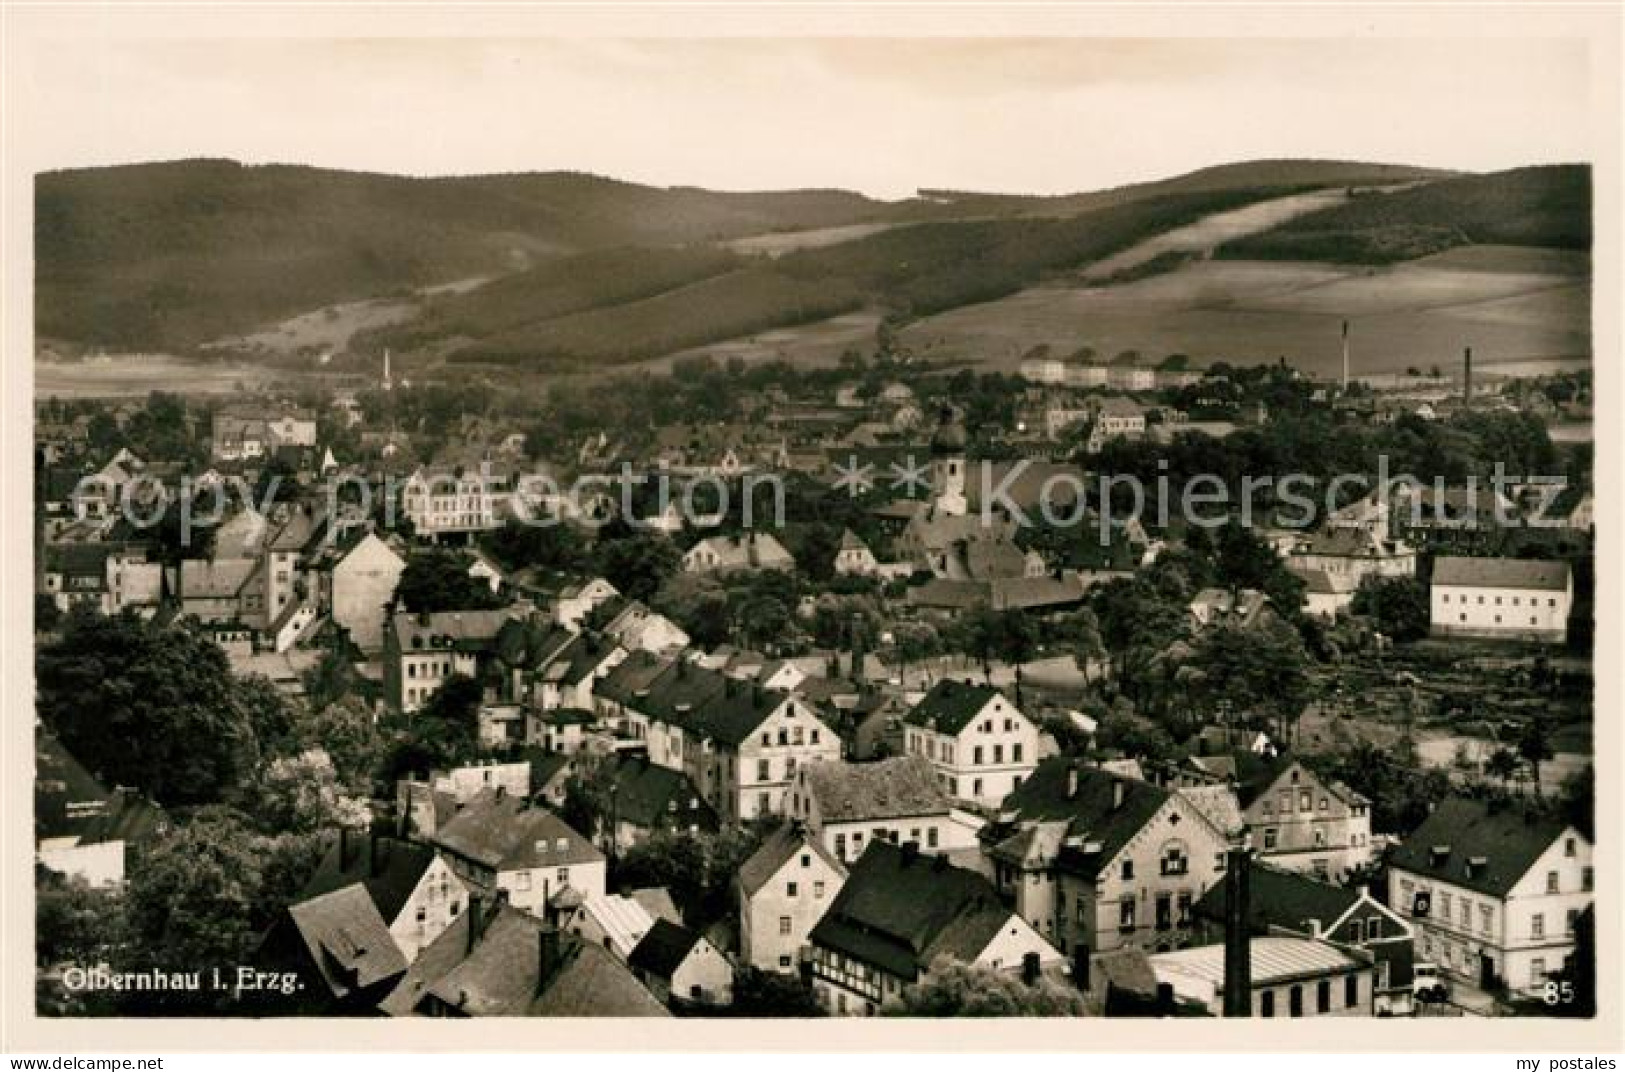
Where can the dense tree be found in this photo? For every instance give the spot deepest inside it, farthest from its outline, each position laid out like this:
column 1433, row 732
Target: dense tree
column 954, row 988
column 1398, row 606
column 347, row 730
column 303, row 794
column 764, row 994
column 438, row 580
column 1535, row 747
column 443, row 733
column 47, row 615
column 637, row 563
column 151, row 706
column 1259, row 671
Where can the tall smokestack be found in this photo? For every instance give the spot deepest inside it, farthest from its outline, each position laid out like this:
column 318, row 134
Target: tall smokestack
column 1467, row 377
column 1238, row 966
column 1345, row 355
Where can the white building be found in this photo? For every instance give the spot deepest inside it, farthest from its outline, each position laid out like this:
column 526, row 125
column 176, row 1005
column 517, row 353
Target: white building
column 1510, row 598
column 500, row 842
column 845, row 805
column 1494, row 892
column 784, row 889
column 441, row 502
column 979, row 743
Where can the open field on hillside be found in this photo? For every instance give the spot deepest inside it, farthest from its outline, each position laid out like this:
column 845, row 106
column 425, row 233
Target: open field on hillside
column 1239, row 311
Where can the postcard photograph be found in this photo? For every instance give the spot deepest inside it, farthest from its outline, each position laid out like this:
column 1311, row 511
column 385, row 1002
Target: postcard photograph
column 732, row 525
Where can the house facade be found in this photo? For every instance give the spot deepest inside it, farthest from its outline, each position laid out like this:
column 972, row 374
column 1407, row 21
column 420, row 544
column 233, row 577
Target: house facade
column 1501, row 598
column 978, row 742
column 784, row 889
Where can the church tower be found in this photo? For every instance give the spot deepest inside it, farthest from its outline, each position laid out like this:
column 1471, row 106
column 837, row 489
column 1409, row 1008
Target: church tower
column 948, row 464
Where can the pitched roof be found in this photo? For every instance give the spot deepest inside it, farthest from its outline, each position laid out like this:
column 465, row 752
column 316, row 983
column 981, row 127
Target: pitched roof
column 623, row 920
column 1502, row 573
column 1099, row 824
column 347, row 940
column 644, row 792
column 899, row 908
column 390, row 869
column 1275, row 959
column 1283, row 899
column 663, row 949
column 1505, row 841
column 735, row 714
column 502, row 831
column 779, row 848
column 894, row 788
column 462, row 629
column 657, row 901
column 950, row 705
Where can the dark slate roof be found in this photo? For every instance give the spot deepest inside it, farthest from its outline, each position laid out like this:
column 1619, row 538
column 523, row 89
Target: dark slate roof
column 68, row 800
column 734, row 714
column 461, row 629
column 390, row 869
column 644, row 793
column 663, row 950
column 1502, row 573
column 635, row 674
column 347, row 940
column 779, row 848
column 501, row 831
column 678, row 693
column 1506, row 838
column 592, row 982
column 899, row 908
column 1098, row 824
column 901, row 787
column 1283, row 899
column 950, row 706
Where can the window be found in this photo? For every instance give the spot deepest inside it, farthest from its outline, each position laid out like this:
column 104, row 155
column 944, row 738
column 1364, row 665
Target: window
column 806, row 859
column 976, row 755
column 1444, row 906
column 1373, row 928
column 1128, row 870
column 1585, row 879
column 1165, row 911
column 840, row 845
column 1569, row 919
column 1486, row 918
column 1125, row 914
column 1266, row 1003
column 1269, row 838
column 784, row 924
column 1552, row 882
column 1537, row 926
column 1218, row 861
column 521, row 881
column 1466, row 914
column 1306, row 801
column 784, row 961
column 456, row 906
column 1320, row 839
column 998, row 753
column 564, row 876
column 764, row 770
column 1537, row 971
column 976, row 788
column 1356, row 931
column 1174, row 861
column 1183, row 919
column 1294, row 1001
column 813, row 736
column 1351, row 986
column 790, row 889
column 818, row 889
column 1324, row 804
column 931, row 837
column 1323, row 995
column 423, row 914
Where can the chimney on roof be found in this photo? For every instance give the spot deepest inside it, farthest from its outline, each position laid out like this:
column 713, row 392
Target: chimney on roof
column 1119, row 791
column 1071, row 781
column 1467, row 376
column 547, row 957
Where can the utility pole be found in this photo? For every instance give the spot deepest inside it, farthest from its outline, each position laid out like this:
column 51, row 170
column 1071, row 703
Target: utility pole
column 1345, row 357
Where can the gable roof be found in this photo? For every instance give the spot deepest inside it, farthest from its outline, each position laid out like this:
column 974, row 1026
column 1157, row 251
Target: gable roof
column 1507, row 840
column 503, row 832
column 1099, row 824
column 388, row 867
column 1525, row 573
column 645, row 791
column 347, row 940
column 951, row 705
column 1283, row 899
column 623, row 920
column 663, row 950
column 899, row 908
column 780, row 847
column 465, row 630
column 894, row 788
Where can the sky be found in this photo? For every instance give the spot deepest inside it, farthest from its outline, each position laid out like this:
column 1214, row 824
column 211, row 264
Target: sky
column 883, row 116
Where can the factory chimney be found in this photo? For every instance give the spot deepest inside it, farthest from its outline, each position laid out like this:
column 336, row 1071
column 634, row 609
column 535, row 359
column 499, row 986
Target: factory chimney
column 1467, row 377
column 1345, row 356
column 1238, row 968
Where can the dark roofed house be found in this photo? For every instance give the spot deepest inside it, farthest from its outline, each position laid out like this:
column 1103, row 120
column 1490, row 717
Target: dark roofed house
column 340, row 948
column 897, row 913
column 1494, row 889
column 499, row 961
column 681, row 966
column 1346, row 915
column 648, row 799
column 414, row 890
column 499, row 841
column 1076, row 845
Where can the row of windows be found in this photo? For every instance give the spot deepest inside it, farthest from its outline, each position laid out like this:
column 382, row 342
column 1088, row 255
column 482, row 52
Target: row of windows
column 880, row 833
column 1516, row 601
column 1323, row 997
